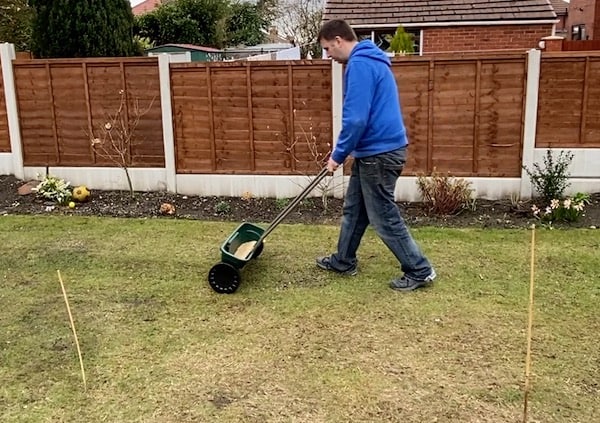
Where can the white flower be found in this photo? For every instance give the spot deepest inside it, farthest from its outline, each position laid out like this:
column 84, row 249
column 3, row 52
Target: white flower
column 578, row 207
column 554, row 204
column 535, row 210
column 567, row 203
column 548, row 210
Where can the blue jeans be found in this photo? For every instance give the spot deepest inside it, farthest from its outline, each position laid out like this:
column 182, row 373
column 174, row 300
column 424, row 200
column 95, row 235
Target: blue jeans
column 370, row 200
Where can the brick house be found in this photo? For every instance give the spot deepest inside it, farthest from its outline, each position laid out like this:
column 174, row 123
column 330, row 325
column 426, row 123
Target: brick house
column 582, row 18
column 146, row 6
column 450, row 25
column 561, row 8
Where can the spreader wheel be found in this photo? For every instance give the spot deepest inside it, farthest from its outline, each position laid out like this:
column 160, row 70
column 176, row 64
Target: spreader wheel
column 224, row 278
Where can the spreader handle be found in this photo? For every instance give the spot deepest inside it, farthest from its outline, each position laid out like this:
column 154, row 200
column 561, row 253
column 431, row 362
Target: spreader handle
column 293, row 204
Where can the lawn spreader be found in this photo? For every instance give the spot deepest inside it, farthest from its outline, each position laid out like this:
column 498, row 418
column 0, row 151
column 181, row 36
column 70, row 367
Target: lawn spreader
column 246, row 243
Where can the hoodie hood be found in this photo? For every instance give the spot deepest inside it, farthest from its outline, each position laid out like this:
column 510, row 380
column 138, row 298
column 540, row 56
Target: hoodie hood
column 368, row 49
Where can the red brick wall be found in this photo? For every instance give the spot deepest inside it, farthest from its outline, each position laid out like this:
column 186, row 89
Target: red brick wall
column 489, row 37
column 582, row 12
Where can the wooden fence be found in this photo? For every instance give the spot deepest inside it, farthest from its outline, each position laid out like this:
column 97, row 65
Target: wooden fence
column 569, row 100
column 251, row 117
column 64, row 103
column 464, row 115
column 4, row 137
column 580, row 45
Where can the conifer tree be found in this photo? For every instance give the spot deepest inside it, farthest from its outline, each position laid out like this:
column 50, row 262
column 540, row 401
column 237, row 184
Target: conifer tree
column 82, row 28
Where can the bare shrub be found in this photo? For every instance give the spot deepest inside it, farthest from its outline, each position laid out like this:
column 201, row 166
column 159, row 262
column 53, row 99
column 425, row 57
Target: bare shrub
column 113, row 139
column 444, row 195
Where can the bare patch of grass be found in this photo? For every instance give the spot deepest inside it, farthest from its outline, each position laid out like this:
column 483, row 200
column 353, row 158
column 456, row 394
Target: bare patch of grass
column 294, row 344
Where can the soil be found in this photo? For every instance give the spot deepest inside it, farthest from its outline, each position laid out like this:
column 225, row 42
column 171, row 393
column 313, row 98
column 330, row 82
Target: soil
column 485, row 214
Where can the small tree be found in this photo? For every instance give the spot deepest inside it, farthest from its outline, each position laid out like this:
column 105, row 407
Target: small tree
column 15, row 23
column 75, row 28
column 201, row 22
column 402, row 42
column 245, row 24
column 300, row 21
column 115, row 137
column 318, row 154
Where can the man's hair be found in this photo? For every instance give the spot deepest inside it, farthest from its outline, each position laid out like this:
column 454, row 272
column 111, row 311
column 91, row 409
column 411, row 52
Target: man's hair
column 336, row 28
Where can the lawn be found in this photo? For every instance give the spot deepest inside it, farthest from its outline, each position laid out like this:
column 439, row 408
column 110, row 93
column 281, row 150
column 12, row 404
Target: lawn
column 293, row 344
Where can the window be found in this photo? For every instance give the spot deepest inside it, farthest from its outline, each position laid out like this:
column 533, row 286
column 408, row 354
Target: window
column 578, row 32
column 383, row 37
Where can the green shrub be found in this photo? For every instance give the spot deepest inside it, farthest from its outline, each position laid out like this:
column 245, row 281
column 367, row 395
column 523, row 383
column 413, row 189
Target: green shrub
column 54, row 189
column 551, row 181
column 223, row 207
column 281, row 203
column 444, row 195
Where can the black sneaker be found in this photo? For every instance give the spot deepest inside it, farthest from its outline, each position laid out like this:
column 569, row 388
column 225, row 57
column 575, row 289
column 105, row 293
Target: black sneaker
column 409, row 284
column 325, row 264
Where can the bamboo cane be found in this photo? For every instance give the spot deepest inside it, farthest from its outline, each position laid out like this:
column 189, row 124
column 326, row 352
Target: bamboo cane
column 529, row 326
column 62, row 285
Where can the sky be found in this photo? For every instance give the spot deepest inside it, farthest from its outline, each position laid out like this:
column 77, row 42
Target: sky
column 135, row 2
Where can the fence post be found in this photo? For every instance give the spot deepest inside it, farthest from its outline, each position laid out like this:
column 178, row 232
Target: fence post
column 534, row 59
column 7, row 55
column 164, row 74
column 337, row 99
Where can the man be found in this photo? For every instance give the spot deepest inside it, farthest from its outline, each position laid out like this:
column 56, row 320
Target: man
column 373, row 133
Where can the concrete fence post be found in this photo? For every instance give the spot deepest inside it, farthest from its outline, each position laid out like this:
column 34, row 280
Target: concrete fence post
column 7, row 55
column 164, row 73
column 337, row 99
column 534, row 59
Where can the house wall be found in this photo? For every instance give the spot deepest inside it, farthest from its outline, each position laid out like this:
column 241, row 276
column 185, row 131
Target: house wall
column 583, row 12
column 490, row 37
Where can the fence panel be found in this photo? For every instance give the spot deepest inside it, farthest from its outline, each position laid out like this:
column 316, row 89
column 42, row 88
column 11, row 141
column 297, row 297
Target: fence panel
column 4, row 136
column 499, row 117
column 569, row 101
column 464, row 116
column 251, row 117
column 413, row 85
column 581, row 45
column 64, row 103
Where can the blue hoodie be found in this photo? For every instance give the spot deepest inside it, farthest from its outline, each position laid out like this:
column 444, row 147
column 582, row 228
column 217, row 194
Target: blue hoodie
column 372, row 120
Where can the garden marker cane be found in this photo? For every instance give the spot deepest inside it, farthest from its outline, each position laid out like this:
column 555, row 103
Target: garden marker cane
column 62, row 285
column 529, row 325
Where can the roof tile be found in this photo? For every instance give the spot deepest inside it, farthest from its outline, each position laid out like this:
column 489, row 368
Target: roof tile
column 394, row 12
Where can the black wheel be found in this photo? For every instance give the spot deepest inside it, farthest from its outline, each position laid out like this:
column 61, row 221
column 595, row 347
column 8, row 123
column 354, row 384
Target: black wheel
column 224, row 278
column 258, row 250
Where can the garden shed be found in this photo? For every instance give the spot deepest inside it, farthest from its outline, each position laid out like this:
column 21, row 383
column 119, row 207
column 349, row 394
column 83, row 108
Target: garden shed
column 191, row 52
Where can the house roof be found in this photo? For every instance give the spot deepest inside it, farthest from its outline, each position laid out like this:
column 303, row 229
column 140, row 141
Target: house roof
column 560, row 6
column 188, row 47
column 393, row 12
column 145, row 7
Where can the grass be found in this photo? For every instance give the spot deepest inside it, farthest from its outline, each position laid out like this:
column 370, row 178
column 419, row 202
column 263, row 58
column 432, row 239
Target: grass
column 294, row 344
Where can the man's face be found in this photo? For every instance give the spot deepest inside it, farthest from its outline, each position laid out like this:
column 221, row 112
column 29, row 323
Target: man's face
column 334, row 49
